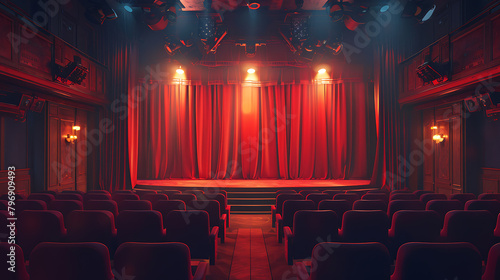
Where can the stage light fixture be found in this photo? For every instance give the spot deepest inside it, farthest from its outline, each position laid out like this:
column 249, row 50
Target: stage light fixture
column 179, row 71
column 422, row 10
column 72, row 73
column 99, row 11
column 128, row 8
column 300, row 28
column 251, row 71
column 322, row 71
column 253, row 4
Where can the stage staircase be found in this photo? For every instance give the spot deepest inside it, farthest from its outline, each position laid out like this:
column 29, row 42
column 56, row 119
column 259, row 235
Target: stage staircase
column 251, row 200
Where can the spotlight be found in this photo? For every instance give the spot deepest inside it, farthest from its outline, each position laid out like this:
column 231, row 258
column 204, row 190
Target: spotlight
column 322, row 71
column 422, row 10
column 179, row 71
column 384, row 8
column 251, row 71
column 99, row 11
column 300, row 28
column 253, row 4
column 128, row 8
column 72, row 73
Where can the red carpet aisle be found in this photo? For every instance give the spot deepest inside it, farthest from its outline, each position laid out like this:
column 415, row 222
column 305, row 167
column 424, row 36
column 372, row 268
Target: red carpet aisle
column 250, row 257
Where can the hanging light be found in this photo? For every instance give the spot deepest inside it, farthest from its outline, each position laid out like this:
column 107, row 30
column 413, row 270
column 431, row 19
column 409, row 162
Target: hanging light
column 179, row 71
column 251, row 71
column 322, row 71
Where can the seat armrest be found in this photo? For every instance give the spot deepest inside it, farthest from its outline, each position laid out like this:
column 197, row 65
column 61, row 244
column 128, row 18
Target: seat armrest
column 301, row 270
column 273, row 215
column 213, row 244
column 289, row 252
column 288, row 232
column 279, row 227
column 222, row 228
column 214, row 233
column 201, row 271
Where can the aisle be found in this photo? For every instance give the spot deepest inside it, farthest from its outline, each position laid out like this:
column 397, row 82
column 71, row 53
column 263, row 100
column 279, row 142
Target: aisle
column 250, row 260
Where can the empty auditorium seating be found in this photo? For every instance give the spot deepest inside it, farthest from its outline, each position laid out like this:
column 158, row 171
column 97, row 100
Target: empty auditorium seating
column 145, row 261
column 310, row 227
column 317, row 198
column 142, row 193
column 496, row 232
column 432, row 196
column 493, row 206
column 376, row 196
column 280, row 199
column 290, row 207
column 92, row 226
column 217, row 219
column 166, row 206
column 170, row 192
column 198, row 193
column 285, row 191
column 413, row 226
column 69, row 196
column 475, row 227
column 99, row 192
column 65, row 206
column 118, row 197
column 34, row 227
column 351, row 197
column 397, row 205
column 186, row 197
column 22, row 205
column 6, row 197
column 360, row 261
column 437, row 261
column 384, row 191
column 337, row 206
column 305, row 193
column 140, row 226
column 18, row 272
column 370, row 205
column 492, row 271
column 441, row 207
column 364, row 226
column 106, row 205
column 134, row 205
column 46, row 197
column 154, row 197
column 97, row 196
column 224, row 208
column 332, row 193
column 192, row 228
column 419, row 193
column 74, row 192
column 4, row 230
column 403, row 196
column 54, row 193
column 489, row 196
column 123, row 191
column 75, row 261
column 463, row 197
column 4, row 205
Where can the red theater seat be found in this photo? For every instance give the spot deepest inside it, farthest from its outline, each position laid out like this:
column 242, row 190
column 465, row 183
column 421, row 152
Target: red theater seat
column 6, row 197
column 73, row 192
column 217, row 219
column 69, row 196
column 148, row 261
column 489, row 196
column 4, row 205
column 305, row 193
column 317, row 198
column 360, row 261
column 23, row 205
column 99, row 192
column 92, row 226
column 413, row 226
column 290, row 207
column 376, row 196
column 119, row 197
column 154, row 197
column 170, row 192
column 280, row 199
column 4, row 230
column 96, row 196
column 224, row 208
column 310, row 227
column 285, row 191
column 399, row 191
column 432, row 196
column 75, row 261
column 441, row 207
column 419, row 193
column 403, row 196
column 475, row 227
column 34, row 227
column 166, row 206
column 17, row 264
column 492, row 271
column 337, row 206
column 370, row 205
column 463, row 197
column 123, row 191
column 198, row 193
column 351, row 197
column 493, row 206
column 65, row 207
column 140, row 226
column 193, row 229
column 332, row 193
column 397, row 205
column 364, row 226
column 105, row 205
column 142, row 193
column 46, row 197
column 134, row 205
column 437, row 261
column 186, row 197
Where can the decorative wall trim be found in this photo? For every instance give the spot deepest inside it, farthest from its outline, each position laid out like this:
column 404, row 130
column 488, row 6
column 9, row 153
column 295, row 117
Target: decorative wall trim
column 22, row 181
column 490, row 180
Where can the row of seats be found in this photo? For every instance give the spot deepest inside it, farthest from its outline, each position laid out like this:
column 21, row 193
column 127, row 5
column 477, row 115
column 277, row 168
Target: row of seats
column 85, row 261
column 191, row 227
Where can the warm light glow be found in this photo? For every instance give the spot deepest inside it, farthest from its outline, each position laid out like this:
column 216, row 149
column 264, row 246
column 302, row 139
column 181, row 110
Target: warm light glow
column 438, row 138
column 434, row 127
column 179, row 71
column 322, row 71
column 76, row 127
column 251, row 71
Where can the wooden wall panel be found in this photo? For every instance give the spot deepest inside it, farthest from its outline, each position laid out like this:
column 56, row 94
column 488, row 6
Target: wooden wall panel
column 428, row 168
column 22, row 181
column 6, row 31
column 490, row 180
column 81, row 151
column 469, row 50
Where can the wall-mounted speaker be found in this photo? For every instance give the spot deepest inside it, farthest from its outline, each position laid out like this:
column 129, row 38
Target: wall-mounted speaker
column 472, row 104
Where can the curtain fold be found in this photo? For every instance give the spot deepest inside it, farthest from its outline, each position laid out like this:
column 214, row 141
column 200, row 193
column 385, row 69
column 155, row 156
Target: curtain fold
column 297, row 131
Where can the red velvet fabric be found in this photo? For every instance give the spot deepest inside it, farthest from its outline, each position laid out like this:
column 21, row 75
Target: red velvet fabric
column 296, row 131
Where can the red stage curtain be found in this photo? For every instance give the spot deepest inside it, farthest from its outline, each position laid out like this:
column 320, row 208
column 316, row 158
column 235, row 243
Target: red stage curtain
column 299, row 131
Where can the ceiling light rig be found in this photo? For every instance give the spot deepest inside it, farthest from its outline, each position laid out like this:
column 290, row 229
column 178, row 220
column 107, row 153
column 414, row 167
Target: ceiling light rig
column 211, row 31
column 98, row 11
column 352, row 13
column 422, row 10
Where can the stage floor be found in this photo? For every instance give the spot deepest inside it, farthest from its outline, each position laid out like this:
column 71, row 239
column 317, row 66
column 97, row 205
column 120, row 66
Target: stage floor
column 254, row 183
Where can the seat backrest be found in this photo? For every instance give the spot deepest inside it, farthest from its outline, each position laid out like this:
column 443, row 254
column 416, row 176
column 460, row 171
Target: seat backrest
column 81, row 193
column 118, row 197
column 376, row 196
column 91, row 226
column 419, row 193
column 350, row 261
column 437, row 261
column 4, row 205
column 22, row 205
column 311, row 227
column 65, row 206
column 7, row 197
column 69, row 196
column 47, row 197
column 492, row 271
column 186, row 197
column 170, row 192
column 192, row 228
column 399, row 191
column 123, row 191
column 36, row 226
column 100, row 192
column 134, row 205
column 351, row 197
column 403, row 196
column 143, row 261
column 221, row 198
column 4, row 230
column 493, row 206
column 292, row 206
column 332, row 193
column 441, row 207
column 397, row 205
column 364, row 226
column 280, row 199
column 337, row 206
column 139, row 226
column 285, row 191
column 432, row 196
column 463, row 197
column 76, row 261
column 97, row 196
column 370, row 205
column 414, row 226
column 12, row 269
column 474, row 226
column 317, row 198
column 106, row 205
column 198, row 193
column 305, row 193
column 154, row 197
column 212, row 207
column 166, row 206
column 142, row 193
column 489, row 196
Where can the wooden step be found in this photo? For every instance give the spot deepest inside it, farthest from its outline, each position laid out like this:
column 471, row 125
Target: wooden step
column 251, row 200
column 250, row 208
column 251, row 194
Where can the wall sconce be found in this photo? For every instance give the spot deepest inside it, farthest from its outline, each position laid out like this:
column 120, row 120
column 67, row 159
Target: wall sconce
column 438, row 138
column 434, row 127
column 76, row 127
column 71, row 138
